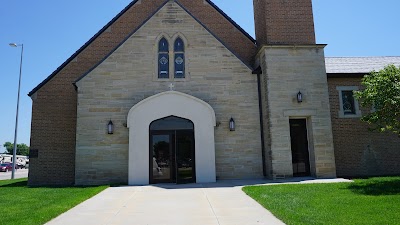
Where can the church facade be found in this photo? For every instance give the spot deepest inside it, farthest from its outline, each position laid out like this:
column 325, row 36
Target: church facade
column 175, row 91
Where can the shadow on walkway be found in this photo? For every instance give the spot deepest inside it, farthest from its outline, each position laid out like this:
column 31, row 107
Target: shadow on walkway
column 245, row 182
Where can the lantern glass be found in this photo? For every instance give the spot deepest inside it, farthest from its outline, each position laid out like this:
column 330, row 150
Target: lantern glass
column 232, row 124
column 299, row 97
column 110, row 127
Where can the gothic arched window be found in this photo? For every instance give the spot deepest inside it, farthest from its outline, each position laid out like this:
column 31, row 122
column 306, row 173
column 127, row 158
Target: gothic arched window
column 179, row 58
column 163, row 59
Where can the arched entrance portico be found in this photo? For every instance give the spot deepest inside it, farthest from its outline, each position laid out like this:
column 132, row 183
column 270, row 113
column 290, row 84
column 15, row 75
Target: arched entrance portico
column 162, row 105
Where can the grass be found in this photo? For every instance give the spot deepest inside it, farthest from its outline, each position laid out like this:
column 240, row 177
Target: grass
column 365, row 201
column 37, row 205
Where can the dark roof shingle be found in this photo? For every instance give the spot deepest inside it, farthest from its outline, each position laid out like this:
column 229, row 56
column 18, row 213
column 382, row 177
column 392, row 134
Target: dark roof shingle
column 359, row 64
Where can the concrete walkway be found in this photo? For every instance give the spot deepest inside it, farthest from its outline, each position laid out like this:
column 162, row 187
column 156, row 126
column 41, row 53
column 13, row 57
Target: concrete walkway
column 221, row 203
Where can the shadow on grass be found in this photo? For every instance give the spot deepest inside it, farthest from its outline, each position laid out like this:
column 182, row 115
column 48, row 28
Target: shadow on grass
column 376, row 187
column 16, row 184
column 25, row 184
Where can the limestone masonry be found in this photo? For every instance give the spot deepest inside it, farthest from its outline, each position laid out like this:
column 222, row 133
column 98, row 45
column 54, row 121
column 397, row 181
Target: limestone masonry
column 175, row 91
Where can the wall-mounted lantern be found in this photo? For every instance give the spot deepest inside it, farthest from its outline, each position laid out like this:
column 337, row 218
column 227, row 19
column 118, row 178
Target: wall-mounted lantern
column 110, row 127
column 232, row 124
column 299, row 97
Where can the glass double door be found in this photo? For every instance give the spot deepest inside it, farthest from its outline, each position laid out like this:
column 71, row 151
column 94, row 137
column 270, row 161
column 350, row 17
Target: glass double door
column 172, row 156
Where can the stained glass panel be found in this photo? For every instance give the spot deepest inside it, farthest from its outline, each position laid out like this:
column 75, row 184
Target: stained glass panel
column 163, row 45
column 348, row 102
column 179, row 46
column 163, row 65
column 179, row 65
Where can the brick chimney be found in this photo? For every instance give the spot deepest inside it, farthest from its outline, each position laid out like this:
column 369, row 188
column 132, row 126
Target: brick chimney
column 284, row 22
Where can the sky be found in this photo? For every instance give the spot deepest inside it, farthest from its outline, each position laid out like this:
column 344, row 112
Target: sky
column 52, row 31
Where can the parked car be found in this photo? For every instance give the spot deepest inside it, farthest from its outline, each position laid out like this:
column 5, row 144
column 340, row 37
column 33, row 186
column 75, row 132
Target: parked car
column 21, row 160
column 5, row 167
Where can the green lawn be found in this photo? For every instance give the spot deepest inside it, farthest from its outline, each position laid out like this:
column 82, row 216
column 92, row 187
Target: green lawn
column 366, row 201
column 24, row 205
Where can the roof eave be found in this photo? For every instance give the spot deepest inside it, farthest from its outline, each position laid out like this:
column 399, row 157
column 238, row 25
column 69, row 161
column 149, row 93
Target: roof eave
column 216, row 37
column 232, row 21
column 119, row 45
column 72, row 57
column 346, row 75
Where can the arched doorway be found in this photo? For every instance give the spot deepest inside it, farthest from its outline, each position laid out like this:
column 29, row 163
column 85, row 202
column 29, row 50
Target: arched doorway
column 172, row 151
column 178, row 105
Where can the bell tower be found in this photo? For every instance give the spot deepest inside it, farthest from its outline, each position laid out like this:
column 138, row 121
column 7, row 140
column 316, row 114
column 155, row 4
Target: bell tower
column 290, row 64
column 280, row 22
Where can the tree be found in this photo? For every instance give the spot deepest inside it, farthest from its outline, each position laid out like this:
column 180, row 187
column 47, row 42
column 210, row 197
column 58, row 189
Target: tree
column 382, row 94
column 22, row 149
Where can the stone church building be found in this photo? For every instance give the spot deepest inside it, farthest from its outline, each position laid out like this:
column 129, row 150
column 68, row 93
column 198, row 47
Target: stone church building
column 175, row 91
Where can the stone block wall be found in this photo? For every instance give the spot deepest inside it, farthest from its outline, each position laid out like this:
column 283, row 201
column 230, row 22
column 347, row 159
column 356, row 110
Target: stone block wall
column 53, row 129
column 286, row 71
column 128, row 75
column 265, row 111
column 360, row 152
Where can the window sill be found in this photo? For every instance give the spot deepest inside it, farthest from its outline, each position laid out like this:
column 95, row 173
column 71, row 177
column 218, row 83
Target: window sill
column 156, row 79
column 349, row 116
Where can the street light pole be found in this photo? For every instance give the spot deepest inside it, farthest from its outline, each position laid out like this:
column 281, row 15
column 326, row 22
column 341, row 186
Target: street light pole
column 16, row 117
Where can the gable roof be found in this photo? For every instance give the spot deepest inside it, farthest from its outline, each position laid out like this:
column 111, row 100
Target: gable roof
column 232, row 21
column 73, row 56
column 358, row 65
column 138, row 12
column 223, row 27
